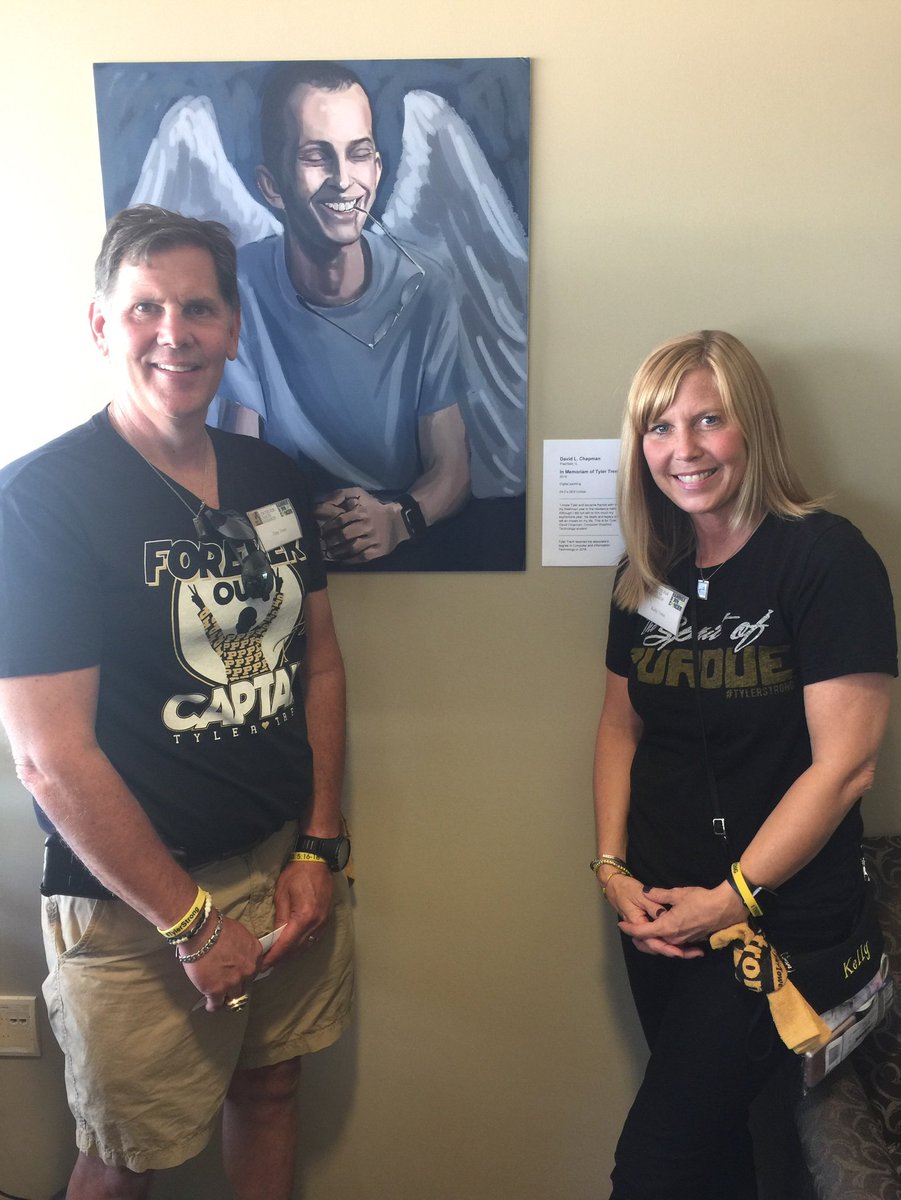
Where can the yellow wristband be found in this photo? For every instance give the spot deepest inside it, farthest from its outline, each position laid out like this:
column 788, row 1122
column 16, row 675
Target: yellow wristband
column 745, row 892
column 189, row 918
column 192, row 931
column 304, row 856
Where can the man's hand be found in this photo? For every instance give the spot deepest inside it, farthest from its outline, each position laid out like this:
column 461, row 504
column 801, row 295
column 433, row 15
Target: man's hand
column 303, row 904
column 229, row 968
column 355, row 527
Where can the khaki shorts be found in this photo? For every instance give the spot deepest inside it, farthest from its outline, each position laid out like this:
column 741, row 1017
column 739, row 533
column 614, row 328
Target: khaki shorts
column 146, row 1073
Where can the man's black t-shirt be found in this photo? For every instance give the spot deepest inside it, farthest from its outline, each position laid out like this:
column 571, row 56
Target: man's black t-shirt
column 199, row 708
column 803, row 601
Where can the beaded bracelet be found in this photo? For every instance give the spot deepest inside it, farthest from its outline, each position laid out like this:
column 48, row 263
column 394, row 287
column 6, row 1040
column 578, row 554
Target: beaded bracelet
column 206, row 947
column 609, row 860
column 188, row 919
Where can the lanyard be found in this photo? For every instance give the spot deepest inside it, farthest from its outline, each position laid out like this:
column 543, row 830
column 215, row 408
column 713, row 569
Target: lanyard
column 718, row 819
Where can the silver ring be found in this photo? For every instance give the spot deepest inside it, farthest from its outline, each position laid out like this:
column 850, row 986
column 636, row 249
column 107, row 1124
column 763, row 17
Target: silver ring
column 237, row 1002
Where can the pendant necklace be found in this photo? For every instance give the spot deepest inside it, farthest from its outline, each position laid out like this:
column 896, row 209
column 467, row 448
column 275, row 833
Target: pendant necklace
column 199, row 525
column 703, row 582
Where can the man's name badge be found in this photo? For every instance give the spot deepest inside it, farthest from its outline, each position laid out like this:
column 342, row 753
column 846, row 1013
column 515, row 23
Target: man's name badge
column 275, row 524
column 664, row 607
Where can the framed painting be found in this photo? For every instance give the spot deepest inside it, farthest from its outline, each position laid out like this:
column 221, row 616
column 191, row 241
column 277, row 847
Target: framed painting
column 380, row 210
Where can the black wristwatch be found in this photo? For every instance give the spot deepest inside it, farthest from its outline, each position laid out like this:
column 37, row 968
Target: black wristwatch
column 414, row 521
column 335, row 851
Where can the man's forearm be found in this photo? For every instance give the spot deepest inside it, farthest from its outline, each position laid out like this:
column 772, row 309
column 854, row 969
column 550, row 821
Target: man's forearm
column 50, row 722
column 97, row 815
column 324, row 701
column 325, row 709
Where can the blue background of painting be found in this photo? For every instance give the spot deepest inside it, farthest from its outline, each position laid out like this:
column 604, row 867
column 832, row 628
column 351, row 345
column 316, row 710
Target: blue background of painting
column 491, row 94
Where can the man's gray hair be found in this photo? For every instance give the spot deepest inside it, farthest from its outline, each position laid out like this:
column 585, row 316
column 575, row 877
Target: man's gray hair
column 135, row 234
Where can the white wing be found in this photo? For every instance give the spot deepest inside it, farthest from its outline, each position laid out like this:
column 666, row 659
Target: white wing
column 447, row 200
column 187, row 170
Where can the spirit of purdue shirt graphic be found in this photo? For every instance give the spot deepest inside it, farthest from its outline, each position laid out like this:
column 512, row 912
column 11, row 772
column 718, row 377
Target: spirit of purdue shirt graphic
column 744, row 668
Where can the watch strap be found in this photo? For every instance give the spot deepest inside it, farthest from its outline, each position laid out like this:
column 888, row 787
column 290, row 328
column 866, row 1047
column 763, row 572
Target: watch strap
column 411, row 513
column 334, row 852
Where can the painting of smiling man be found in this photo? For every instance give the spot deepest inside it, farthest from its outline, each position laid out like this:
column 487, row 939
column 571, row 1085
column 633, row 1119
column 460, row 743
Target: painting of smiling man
column 380, row 211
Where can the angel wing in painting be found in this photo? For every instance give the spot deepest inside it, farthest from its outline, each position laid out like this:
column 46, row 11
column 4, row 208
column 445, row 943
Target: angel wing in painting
column 446, row 207
column 447, row 201
column 187, row 170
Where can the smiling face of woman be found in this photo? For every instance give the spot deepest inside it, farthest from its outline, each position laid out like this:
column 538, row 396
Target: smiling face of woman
column 696, row 454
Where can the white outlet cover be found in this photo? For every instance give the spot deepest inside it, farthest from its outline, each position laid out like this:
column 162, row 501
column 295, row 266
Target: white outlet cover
column 18, row 1027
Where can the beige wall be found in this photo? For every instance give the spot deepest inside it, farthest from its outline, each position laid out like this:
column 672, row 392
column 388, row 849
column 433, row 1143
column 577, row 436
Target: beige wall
column 694, row 163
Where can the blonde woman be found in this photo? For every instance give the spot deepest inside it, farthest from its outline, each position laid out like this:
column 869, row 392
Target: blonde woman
column 734, row 576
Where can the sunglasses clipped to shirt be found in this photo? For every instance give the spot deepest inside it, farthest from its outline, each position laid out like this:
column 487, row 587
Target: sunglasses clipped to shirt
column 238, row 535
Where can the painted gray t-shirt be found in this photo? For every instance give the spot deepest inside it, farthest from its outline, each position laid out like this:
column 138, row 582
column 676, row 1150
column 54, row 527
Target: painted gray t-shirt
column 342, row 389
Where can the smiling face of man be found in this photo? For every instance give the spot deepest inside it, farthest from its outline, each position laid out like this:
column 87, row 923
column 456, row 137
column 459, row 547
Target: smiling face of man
column 167, row 332
column 331, row 168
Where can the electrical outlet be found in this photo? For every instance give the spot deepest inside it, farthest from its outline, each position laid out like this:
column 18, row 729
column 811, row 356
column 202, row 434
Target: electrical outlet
column 18, row 1027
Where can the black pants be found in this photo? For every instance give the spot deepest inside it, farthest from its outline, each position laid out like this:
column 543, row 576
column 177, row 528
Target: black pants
column 713, row 1047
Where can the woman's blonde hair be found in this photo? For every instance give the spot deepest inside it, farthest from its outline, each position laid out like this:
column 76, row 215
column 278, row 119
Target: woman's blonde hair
column 656, row 532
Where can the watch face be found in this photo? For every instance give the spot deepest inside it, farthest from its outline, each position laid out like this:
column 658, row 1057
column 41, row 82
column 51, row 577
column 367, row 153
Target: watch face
column 336, row 851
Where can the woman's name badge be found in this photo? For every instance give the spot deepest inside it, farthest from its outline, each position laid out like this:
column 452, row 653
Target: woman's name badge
column 275, row 524
column 664, row 607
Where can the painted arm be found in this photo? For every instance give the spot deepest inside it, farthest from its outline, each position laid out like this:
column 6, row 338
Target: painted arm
column 50, row 723
column 303, row 896
column 356, row 527
column 443, row 487
column 846, row 720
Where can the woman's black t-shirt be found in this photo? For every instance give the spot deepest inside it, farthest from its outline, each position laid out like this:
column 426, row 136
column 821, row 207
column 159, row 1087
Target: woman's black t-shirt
column 803, row 601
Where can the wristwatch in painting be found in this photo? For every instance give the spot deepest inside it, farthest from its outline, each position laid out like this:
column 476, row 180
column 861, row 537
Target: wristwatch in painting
column 334, row 851
column 414, row 521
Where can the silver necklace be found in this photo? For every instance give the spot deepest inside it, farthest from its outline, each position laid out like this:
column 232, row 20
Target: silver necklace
column 703, row 582
column 198, row 525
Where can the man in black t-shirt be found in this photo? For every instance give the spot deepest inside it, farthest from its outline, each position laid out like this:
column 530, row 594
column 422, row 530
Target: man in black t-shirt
column 173, row 690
